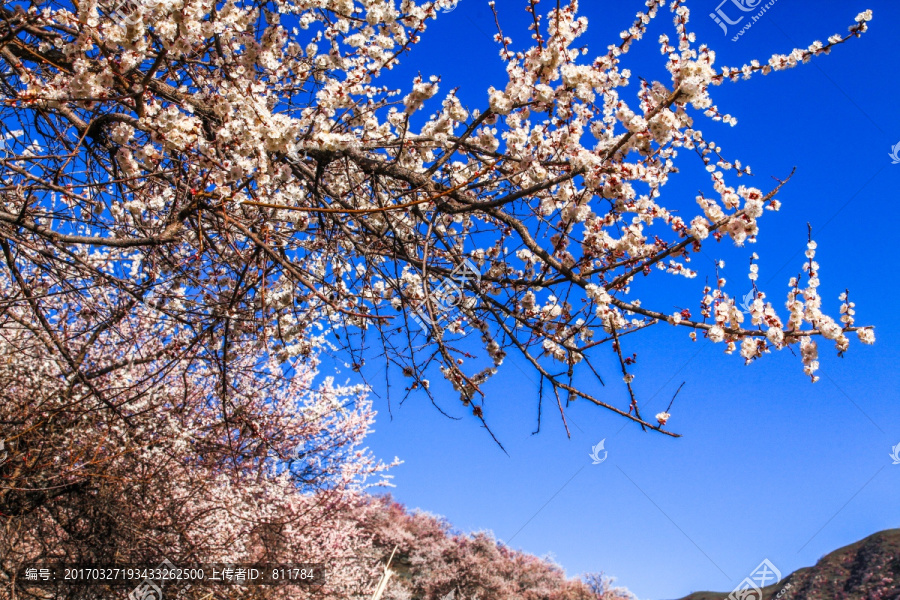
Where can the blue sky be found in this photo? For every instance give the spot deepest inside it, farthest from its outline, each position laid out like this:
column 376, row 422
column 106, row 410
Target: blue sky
column 769, row 465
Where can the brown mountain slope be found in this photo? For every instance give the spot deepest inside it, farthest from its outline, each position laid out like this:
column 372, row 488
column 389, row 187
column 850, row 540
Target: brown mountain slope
column 866, row 570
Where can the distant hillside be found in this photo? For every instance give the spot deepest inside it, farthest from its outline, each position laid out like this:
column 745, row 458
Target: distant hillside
column 866, row 570
column 433, row 561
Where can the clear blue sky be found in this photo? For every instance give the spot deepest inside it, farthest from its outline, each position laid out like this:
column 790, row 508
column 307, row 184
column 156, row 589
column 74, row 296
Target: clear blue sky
column 770, row 465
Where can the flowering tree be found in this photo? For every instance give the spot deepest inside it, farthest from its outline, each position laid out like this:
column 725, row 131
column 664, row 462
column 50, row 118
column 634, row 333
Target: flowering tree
column 431, row 561
column 235, row 171
column 190, row 459
column 150, row 455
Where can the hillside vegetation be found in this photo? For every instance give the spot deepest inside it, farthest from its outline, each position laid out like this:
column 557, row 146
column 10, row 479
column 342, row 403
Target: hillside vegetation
column 866, row 570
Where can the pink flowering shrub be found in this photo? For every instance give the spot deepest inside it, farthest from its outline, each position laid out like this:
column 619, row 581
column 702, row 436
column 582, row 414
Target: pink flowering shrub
column 189, row 458
column 433, row 560
column 198, row 458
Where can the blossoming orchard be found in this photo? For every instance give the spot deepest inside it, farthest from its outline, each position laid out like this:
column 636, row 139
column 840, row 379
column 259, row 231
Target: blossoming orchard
column 200, row 196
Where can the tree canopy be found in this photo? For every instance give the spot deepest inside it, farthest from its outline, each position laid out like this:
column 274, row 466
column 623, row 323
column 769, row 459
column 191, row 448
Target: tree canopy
column 234, row 173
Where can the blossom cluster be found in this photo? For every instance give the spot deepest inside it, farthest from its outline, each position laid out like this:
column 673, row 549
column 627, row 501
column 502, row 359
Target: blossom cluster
column 242, row 166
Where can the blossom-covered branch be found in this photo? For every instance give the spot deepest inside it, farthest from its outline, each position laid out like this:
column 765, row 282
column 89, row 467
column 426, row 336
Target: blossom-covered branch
column 237, row 169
